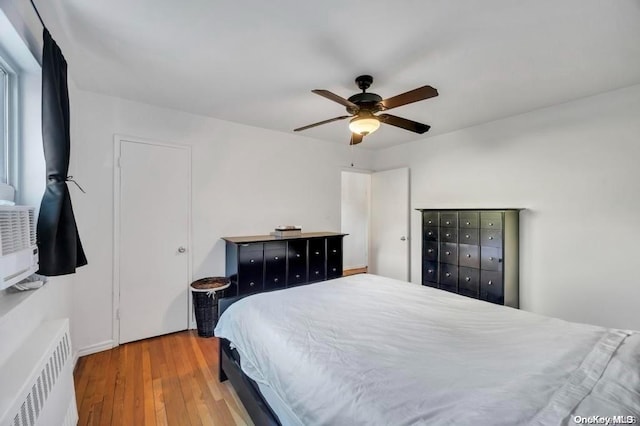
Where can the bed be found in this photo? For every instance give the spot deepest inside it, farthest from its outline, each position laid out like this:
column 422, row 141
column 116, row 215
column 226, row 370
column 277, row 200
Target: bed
column 368, row 350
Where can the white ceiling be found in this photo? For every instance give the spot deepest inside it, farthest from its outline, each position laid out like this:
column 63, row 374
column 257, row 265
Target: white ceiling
column 255, row 62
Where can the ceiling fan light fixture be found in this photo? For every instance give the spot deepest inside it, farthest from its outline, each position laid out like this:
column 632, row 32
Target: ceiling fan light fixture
column 364, row 125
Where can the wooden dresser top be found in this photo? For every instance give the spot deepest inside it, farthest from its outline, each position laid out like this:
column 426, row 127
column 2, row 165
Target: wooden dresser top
column 262, row 238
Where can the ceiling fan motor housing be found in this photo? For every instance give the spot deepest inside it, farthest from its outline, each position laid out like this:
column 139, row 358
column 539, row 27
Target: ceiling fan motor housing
column 362, row 108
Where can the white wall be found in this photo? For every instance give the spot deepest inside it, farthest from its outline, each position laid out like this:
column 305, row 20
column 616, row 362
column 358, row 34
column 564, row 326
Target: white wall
column 22, row 313
column 245, row 182
column 574, row 168
column 356, row 205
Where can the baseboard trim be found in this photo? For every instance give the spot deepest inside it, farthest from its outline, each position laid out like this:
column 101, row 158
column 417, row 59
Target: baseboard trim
column 92, row 349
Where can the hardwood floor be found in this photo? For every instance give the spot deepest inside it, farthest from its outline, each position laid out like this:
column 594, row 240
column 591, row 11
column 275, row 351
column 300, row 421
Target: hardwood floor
column 168, row 380
column 355, row 271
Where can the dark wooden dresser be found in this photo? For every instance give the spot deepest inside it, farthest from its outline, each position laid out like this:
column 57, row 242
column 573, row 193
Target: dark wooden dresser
column 264, row 262
column 472, row 252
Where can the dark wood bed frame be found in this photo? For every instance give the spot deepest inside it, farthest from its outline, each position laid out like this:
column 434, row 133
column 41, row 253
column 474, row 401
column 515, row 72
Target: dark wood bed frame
column 247, row 389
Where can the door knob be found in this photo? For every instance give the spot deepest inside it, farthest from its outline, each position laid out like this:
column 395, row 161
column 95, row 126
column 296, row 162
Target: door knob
column 181, row 249
column 403, row 238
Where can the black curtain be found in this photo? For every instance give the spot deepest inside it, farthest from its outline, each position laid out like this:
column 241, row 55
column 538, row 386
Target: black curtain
column 59, row 246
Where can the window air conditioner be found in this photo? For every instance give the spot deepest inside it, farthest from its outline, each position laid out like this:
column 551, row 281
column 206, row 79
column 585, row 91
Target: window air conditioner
column 18, row 250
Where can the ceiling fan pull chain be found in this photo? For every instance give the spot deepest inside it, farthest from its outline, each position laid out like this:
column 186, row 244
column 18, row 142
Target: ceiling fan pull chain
column 351, row 154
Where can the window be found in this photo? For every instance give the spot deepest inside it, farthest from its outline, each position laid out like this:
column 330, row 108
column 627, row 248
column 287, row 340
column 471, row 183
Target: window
column 4, row 124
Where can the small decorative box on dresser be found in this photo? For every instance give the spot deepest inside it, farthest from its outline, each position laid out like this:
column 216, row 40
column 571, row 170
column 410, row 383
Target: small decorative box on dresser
column 264, row 262
column 472, row 252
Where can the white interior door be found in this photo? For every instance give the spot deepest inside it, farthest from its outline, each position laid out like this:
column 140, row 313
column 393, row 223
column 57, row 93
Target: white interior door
column 389, row 253
column 153, row 239
column 354, row 220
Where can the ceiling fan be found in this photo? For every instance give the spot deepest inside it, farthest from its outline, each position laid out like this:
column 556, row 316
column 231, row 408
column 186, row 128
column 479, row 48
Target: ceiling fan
column 363, row 106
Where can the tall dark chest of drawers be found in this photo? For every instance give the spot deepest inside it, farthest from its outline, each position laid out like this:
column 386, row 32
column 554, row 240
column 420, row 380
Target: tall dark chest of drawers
column 262, row 263
column 472, row 252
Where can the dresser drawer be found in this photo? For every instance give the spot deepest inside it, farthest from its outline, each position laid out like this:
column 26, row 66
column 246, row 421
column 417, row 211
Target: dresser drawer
column 316, row 274
column 491, row 288
column 275, row 266
column 430, row 233
column 491, row 237
column 490, row 258
column 430, row 274
column 469, row 220
column 275, row 279
column 316, row 251
column 469, row 282
column 297, row 252
column 250, row 254
column 334, row 257
column 448, row 277
column 491, row 220
column 449, row 219
column 250, row 279
column 430, row 250
column 449, row 235
column 297, row 274
column 275, row 253
column 449, row 253
column 469, row 256
column 469, row 236
column 430, row 218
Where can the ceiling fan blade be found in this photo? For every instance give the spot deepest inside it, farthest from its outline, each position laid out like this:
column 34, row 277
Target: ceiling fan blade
column 355, row 139
column 335, row 98
column 403, row 123
column 415, row 95
column 321, row 122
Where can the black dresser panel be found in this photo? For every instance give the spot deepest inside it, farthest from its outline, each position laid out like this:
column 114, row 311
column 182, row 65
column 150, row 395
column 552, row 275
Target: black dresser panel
column 263, row 263
column 472, row 252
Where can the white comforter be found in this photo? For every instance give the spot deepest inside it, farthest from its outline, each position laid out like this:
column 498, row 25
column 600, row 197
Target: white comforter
column 367, row 350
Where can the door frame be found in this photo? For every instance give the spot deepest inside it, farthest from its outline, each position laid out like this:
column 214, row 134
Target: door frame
column 118, row 139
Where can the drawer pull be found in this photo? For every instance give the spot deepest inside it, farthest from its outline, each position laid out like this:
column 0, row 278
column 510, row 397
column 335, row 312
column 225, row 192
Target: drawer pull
column 490, row 223
column 430, row 271
column 447, row 222
column 251, row 284
column 317, row 272
column 490, row 282
column 468, row 255
column 318, row 252
column 335, row 251
column 430, row 251
column 447, row 235
column 429, row 222
column 467, row 236
column 251, row 261
column 275, row 280
column 447, row 253
column 297, row 275
column 491, row 259
column 297, row 254
column 467, row 279
column 429, row 233
column 448, row 274
column 275, row 258
column 468, row 223
column 491, row 237
column 335, row 269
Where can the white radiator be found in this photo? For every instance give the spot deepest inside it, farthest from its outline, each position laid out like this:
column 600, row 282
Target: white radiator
column 36, row 382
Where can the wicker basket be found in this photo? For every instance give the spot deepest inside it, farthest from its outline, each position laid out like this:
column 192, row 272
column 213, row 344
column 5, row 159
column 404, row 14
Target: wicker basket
column 206, row 292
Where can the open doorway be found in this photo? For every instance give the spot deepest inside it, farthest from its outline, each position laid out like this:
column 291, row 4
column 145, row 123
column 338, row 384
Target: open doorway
column 355, row 220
